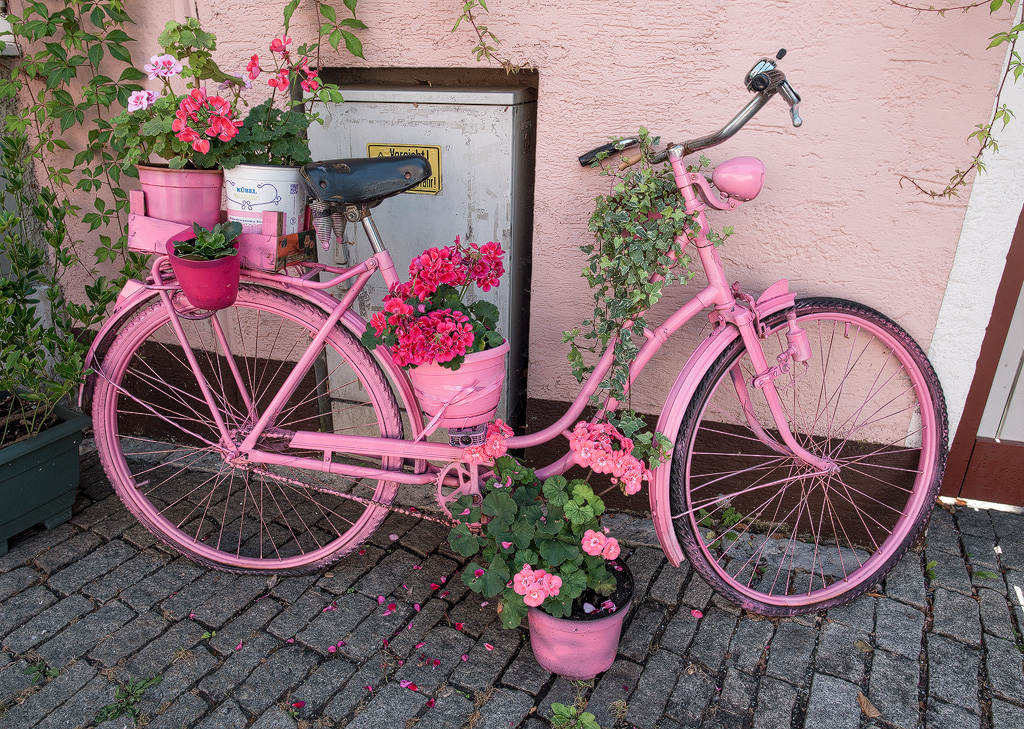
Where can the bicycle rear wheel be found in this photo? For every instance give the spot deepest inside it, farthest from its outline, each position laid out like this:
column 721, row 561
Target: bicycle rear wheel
column 772, row 533
column 163, row 453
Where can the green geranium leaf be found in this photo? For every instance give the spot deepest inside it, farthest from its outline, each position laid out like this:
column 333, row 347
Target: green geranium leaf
column 556, row 551
column 500, row 506
column 495, row 577
column 579, row 515
column 513, row 610
column 555, row 491
column 463, row 541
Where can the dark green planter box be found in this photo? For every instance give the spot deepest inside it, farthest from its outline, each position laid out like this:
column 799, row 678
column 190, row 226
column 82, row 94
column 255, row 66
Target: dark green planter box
column 39, row 477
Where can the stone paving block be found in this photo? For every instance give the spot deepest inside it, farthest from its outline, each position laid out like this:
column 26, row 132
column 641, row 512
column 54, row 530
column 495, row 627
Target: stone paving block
column 22, row 607
column 395, row 523
column 49, row 697
column 644, row 563
column 183, row 601
column 430, row 614
column 160, row 653
column 737, row 695
column 906, row 581
column 124, row 576
column 950, row 572
column 1005, row 666
column 179, row 678
column 837, row 653
column 359, row 691
column 995, row 614
column 322, row 684
column 66, row 552
column 562, row 691
column 17, row 580
column 525, row 673
column 129, row 639
column 506, row 708
column 698, row 593
column 219, row 683
column 474, row 616
column 1006, row 716
column 993, row 580
column 328, row 628
column 942, row 533
column 775, row 701
column 183, row 711
column 139, row 536
column 47, row 623
column 451, row 710
column 22, row 549
column 284, row 669
column 76, row 639
column 893, row 688
column 483, row 666
column 432, row 663
column 832, row 704
column 93, row 565
column 669, row 584
column 425, row 537
column 680, row 631
column 388, row 574
column 656, row 684
column 789, row 653
column 975, row 522
column 747, row 648
column 218, row 607
column 953, row 672
column 275, row 718
column 898, row 628
column 344, row 574
column 98, row 511
column 299, row 614
column 615, row 684
column 723, row 603
column 859, row 614
column 981, row 552
column 244, row 626
column 158, row 586
column 644, row 628
column 957, row 616
column 940, row 714
column 289, row 589
column 13, row 680
column 691, row 697
column 81, row 707
column 713, row 638
column 226, row 716
column 116, row 524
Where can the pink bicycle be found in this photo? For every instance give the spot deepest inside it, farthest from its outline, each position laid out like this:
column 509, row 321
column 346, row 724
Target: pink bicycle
column 809, row 434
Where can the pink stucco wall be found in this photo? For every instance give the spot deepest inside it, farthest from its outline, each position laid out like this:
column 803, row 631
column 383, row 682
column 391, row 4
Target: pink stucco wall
column 886, row 91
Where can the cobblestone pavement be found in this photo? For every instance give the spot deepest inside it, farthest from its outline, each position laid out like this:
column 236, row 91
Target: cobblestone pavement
column 97, row 608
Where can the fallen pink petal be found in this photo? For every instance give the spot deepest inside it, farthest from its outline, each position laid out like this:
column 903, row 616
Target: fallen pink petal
column 418, row 645
column 386, row 613
column 465, row 656
column 488, row 646
column 362, row 551
column 385, row 642
column 459, row 626
column 404, row 683
column 437, row 662
column 697, row 614
column 478, row 573
column 342, row 643
column 416, row 607
column 331, row 649
column 380, row 599
column 434, row 586
column 444, row 580
column 392, row 606
column 290, row 640
column 417, row 567
column 299, row 704
column 393, row 537
column 239, row 646
column 430, row 704
column 444, row 594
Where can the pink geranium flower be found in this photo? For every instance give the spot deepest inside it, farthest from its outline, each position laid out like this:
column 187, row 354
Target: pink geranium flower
column 593, row 542
column 139, row 100
column 165, row 66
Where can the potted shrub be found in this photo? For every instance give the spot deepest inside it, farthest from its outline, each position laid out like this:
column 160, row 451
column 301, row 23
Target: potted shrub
column 455, row 358
column 544, row 554
column 41, row 355
column 207, row 265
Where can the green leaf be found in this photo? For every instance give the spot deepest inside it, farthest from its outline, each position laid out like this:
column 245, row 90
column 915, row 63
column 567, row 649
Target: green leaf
column 556, row 551
column 120, row 52
column 328, row 12
column 463, row 541
column 577, row 514
column 555, row 491
column 513, row 610
column 494, row 579
column 500, row 506
column 353, row 44
column 289, row 10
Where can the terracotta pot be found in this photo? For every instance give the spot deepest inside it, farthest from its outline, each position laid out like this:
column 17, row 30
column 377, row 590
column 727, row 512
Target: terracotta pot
column 182, row 196
column 471, row 392
column 209, row 285
column 579, row 649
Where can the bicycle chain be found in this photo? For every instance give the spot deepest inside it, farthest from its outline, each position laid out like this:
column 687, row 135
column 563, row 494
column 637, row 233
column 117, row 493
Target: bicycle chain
column 413, row 512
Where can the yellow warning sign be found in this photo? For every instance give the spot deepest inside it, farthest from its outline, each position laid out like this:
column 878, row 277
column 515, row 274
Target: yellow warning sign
column 431, row 185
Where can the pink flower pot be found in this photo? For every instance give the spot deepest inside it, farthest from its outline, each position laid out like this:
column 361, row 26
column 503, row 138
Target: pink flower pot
column 209, row 285
column 471, row 393
column 182, row 196
column 576, row 649
column 579, row 649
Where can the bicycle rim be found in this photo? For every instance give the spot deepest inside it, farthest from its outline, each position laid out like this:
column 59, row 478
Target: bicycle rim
column 160, row 446
column 776, row 535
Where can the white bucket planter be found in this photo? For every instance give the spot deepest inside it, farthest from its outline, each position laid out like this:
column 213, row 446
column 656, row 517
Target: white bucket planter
column 252, row 190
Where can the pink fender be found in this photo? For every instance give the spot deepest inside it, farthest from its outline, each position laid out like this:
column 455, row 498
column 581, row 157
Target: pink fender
column 135, row 295
column 776, row 297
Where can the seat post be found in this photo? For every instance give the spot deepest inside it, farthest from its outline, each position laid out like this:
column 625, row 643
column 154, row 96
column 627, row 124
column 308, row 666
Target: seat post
column 371, row 232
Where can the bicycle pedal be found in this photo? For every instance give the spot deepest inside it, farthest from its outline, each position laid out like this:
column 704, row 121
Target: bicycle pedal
column 467, row 437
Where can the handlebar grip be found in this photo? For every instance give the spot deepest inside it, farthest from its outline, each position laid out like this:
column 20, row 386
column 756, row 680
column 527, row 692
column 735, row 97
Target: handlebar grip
column 587, row 158
column 631, row 160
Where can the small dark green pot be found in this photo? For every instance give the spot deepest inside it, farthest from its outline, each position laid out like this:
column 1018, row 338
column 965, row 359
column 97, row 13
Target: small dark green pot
column 39, row 477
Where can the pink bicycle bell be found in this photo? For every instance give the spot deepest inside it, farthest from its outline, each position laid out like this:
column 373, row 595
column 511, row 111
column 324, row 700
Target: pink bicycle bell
column 740, row 178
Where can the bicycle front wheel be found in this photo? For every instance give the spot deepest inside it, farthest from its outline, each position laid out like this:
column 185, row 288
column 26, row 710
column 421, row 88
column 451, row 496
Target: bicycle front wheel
column 774, row 534
column 160, row 446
